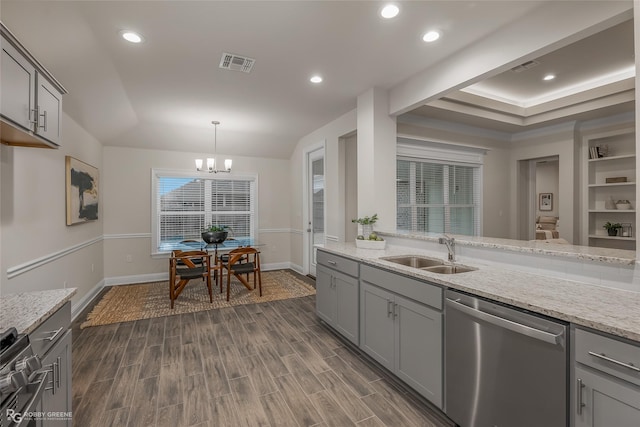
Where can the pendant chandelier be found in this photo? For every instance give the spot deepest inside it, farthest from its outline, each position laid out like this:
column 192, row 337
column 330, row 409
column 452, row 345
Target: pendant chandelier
column 211, row 161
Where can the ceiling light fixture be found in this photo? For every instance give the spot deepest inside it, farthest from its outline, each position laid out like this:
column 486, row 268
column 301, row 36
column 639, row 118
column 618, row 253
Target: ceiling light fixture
column 316, row 79
column 211, row 162
column 390, row 11
column 549, row 77
column 431, row 36
column 131, row 37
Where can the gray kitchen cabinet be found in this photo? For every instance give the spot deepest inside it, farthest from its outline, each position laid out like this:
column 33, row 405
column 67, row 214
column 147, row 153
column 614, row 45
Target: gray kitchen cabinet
column 51, row 341
column 378, row 324
column 403, row 334
column 31, row 104
column 607, row 381
column 337, row 294
column 57, row 394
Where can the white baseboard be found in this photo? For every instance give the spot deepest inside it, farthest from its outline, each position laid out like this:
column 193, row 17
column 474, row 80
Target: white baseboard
column 138, row 278
column 79, row 307
column 158, row 277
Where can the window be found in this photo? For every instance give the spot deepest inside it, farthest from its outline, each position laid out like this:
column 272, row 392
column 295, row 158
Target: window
column 437, row 195
column 184, row 205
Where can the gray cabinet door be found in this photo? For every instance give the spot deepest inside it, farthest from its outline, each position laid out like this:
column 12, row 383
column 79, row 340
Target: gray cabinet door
column 49, row 111
column 419, row 348
column 346, row 293
column 377, row 324
column 57, row 394
column 17, row 86
column 325, row 295
column 607, row 401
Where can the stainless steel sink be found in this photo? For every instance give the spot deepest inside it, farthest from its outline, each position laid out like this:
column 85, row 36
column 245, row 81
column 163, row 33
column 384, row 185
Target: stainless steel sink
column 448, row 269
column 414, row 261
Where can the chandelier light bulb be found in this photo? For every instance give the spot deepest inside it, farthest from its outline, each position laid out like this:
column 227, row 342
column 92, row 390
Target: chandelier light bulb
column 211, row 161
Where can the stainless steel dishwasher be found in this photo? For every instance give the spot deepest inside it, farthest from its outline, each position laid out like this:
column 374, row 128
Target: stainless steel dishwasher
column 503, row 367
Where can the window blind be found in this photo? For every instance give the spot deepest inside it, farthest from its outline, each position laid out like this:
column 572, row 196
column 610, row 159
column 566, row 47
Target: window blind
column 184, row 206
column 438, row 197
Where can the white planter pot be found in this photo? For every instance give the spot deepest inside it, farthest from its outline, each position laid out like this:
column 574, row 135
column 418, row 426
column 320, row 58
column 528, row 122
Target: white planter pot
column 371, row 244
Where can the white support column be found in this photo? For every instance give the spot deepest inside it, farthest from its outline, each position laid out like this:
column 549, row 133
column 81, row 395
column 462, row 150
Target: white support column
column 377, row 158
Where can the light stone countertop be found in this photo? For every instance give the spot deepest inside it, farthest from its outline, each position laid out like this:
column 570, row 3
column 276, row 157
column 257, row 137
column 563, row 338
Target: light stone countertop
column 605, row 309
column 26, row 311
column 605, row 255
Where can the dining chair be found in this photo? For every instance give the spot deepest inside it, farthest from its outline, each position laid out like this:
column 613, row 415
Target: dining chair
column 243, row 261
column 185, row 266
column 215, row 269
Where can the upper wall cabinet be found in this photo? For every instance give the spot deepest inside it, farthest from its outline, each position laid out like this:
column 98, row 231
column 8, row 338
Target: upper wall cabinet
column 31, row 101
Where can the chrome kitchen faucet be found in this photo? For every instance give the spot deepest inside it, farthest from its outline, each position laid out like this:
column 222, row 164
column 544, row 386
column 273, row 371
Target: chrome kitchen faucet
column 451, row 246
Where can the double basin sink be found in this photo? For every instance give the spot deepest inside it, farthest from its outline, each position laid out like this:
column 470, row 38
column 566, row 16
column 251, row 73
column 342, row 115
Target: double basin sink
column 428, row 264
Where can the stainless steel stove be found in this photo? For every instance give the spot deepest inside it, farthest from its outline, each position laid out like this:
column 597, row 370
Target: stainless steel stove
column 22, row 381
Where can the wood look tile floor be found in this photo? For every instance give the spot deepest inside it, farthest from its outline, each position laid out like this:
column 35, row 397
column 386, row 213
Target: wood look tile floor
column 271, row 364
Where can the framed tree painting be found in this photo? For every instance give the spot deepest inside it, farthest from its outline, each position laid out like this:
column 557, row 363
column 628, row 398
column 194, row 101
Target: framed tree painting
column 81, row 191
column 546, row 202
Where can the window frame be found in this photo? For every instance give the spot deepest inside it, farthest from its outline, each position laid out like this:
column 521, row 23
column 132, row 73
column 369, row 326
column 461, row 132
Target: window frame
column 157, row 174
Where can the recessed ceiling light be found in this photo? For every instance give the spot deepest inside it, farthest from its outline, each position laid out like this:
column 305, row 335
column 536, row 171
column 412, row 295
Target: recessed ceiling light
column 390, row 11
column 316, row 79
column 549, row 77
column 431, row 36
column 132, row 37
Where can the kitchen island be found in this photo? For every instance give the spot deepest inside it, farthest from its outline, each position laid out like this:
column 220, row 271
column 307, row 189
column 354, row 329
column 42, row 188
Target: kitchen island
column 614, row 311
column 398, row 309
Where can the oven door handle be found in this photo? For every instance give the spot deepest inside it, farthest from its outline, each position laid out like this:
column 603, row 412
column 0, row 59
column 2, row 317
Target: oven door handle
column 33, row 402
column 505, row 323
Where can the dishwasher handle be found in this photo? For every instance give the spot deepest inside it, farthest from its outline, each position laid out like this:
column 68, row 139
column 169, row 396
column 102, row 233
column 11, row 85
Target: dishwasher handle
column 507, row 324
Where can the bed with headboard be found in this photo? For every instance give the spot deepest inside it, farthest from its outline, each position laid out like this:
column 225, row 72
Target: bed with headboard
column 547, row 228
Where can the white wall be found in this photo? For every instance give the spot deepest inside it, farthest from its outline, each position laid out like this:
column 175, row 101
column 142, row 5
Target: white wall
column 127, row 209
column 330, row 135
column 547, row 181
column 37, row 245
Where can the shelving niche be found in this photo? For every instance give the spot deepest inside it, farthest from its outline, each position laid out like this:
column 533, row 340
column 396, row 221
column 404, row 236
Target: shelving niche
column 619, row 161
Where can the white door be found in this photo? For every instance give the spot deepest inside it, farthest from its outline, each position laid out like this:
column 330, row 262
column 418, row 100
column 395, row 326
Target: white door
column 315, row 197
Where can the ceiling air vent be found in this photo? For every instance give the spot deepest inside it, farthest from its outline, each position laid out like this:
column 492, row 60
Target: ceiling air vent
column 525, row 66
column 229, row 61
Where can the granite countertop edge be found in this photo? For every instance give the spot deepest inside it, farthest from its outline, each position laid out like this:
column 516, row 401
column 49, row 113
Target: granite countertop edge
column 604, row 255
column 608, row 310
column 27, row 310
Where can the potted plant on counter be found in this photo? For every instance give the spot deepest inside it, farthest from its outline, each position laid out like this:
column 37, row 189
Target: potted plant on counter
column 612, row 228
column 368, row 239
column 215, row 234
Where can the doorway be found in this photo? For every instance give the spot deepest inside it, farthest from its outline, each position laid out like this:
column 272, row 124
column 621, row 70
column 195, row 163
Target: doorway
column 315, row 196
column 539, row 184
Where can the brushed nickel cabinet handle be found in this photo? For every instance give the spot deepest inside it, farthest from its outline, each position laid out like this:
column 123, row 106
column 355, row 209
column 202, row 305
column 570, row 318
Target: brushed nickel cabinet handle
column 617, row 362
column 579, row 404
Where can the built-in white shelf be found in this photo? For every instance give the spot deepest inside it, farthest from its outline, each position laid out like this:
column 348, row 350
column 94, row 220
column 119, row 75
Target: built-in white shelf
column 596, row 192
column 600, row 236
column 604, row 159
column 612, row 184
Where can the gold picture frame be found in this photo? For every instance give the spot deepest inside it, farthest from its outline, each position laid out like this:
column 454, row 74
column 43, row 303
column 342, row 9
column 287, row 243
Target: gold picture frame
column 82, row 194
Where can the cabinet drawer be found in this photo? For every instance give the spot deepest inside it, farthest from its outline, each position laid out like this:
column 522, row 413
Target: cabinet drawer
column 417, row 290
column 339, row 263
column 609, row 355
column 45, row 335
